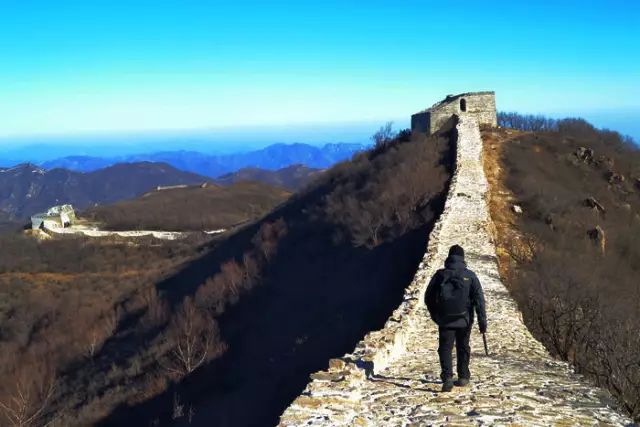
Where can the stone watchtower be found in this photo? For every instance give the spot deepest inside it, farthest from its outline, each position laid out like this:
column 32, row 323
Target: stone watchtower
column 481, row 105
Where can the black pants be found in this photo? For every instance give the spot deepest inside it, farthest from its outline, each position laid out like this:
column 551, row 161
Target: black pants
column 463, row 351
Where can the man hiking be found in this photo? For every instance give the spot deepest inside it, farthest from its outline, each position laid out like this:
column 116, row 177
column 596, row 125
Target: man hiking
column 451, row 297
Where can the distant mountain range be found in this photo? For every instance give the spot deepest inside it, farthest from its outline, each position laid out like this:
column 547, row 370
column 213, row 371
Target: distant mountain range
column 84, row 181
column 273, row 157
column 27, row 189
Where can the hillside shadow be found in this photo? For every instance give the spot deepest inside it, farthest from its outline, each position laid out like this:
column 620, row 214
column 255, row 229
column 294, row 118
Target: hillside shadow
column 307, row 312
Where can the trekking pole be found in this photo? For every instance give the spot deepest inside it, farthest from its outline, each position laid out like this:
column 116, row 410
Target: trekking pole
column 484, row 340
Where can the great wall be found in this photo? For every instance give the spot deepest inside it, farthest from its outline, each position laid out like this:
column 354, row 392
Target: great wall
column 392, row 376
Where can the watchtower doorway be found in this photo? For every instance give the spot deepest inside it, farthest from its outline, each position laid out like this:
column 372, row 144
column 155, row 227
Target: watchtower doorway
column 463, row 104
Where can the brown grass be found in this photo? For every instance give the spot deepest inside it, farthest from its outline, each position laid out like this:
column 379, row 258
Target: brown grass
column 500, row 198
column 580, row 301
column 191, row 209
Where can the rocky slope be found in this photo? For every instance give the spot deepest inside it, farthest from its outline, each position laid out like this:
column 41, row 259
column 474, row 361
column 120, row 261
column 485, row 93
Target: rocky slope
column 391, row 378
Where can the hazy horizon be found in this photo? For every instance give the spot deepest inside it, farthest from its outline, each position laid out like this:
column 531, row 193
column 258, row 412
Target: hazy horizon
column 228, row 139
column 80, row 68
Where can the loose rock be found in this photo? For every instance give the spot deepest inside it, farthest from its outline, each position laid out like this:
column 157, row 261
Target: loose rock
column 616, row 178
column 598, row 236
column 584, row 154
column 591, row 202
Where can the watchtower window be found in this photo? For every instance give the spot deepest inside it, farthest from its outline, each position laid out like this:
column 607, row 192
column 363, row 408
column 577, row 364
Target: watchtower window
column 463, row 104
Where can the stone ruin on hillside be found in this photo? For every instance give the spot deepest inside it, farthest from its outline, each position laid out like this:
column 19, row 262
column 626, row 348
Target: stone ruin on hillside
column 480, row 105
column 55, row 217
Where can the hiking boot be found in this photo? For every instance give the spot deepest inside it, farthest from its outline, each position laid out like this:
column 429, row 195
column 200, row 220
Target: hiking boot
column 461, row 382
column 447, row 386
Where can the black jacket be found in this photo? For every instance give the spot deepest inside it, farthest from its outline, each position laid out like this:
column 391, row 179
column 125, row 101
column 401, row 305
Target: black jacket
column 476, row 297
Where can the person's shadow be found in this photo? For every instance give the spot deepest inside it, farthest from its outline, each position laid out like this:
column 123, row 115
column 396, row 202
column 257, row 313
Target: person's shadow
column 396, row 382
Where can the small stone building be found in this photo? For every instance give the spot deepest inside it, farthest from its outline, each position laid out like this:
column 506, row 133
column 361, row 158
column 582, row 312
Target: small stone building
column 56, row 217
column 482, row 105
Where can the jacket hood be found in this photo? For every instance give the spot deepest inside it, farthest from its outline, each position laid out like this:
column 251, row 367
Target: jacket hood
column 455, row 262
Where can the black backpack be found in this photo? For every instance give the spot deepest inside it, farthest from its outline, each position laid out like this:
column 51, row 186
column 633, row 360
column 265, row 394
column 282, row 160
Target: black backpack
column 453, row 297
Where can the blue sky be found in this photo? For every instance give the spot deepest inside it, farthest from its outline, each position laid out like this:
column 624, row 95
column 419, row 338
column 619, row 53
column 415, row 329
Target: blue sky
column 71, row 67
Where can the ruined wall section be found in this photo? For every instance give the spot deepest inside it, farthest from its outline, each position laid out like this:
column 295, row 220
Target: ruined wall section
column 479, row 105
column 482, row 107
column 421, row 122
column 392, row 376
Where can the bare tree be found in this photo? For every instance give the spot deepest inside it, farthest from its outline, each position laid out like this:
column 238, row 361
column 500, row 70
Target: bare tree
column 266, row 239
column 98, row 333
column 157, row 309
column 233, row 275
column 250, row 269
column 194, row 338
column 384, row 135
column 527, row 122
column 210, row 295
column 26, row 395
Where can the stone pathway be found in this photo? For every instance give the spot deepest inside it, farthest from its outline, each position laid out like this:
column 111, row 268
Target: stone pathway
column 517, row 384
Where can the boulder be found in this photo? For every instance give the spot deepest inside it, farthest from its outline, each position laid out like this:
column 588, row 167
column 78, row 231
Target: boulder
column 337, row 364
column 605, row 162
column 615, row 178
column 592, row 203
column 327, row 376
column 584, row 154
column 549, row 221
column 598, row 236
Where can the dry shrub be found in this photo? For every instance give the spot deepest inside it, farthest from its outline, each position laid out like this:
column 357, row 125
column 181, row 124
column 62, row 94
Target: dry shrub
column 389, row 193
column 266, row 239
column 157, row 309
column 581, row 302
column 62, row 295
column 93, row 336
column 236, row 278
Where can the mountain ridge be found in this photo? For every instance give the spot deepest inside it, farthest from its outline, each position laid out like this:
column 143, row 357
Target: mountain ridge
column 194, row 208
column 292, row 177
column 26, row 189
column 272, row 157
